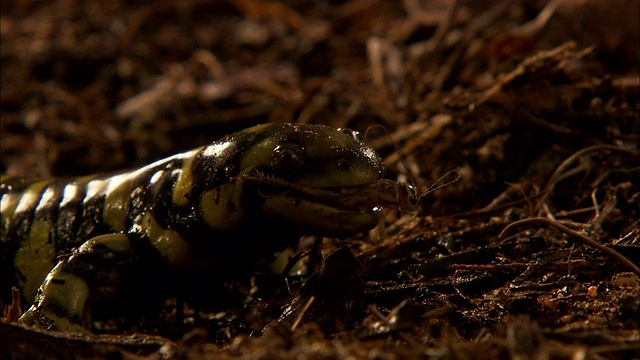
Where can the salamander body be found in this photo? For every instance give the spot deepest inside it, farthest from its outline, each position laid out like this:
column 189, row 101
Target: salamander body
column 71, row 244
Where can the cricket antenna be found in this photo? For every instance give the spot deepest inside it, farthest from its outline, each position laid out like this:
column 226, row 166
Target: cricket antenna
column 447, row 179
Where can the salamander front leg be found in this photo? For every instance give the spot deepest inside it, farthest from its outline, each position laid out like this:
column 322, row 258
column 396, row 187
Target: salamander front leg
column 94, row 270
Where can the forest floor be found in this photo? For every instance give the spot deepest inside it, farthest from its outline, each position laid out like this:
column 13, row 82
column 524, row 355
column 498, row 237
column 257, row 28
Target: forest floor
column 535, row 103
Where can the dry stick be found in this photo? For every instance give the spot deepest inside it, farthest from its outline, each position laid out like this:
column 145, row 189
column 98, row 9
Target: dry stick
column 577, row 236
column 525, row 66
column 568, row 213
column 533, row 27
column 596, row 205
column 306, row 307
column 437, row 123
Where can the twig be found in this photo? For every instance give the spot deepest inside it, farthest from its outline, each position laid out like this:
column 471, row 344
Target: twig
column 437, row 123
column 568, row 213
column 531, row 28
column 525, row 66
column 577, row 236
column 596, row 205
column 306, row 307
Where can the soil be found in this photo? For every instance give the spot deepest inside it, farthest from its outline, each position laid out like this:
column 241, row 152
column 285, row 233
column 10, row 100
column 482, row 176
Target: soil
column 535, row 104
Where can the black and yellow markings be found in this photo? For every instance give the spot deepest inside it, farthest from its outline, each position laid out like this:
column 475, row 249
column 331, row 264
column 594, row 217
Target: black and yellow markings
column 182, row 189
column 61, row 302
column 70, row 211
column 119, row 189
column 64, row 293
column 171, row 246
column 257, row 155
column 9, row 200
column 35, row 256
column 75, row 191
column 8, row 205
column 191, row 212
column 221, row 207
column 95, row 189
column 116, row 203
column 26, row 202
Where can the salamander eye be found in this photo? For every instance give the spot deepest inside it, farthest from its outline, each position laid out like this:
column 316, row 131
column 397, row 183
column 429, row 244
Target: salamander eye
column 287, row 156
column 344, row 165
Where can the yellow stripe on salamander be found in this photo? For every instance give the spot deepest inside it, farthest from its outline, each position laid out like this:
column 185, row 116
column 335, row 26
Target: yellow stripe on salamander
column 183, row 186
column 171, row 246
column 221, row 207
column 116, row 205
column 8, row 205
column 31, row 197
column 36, row 257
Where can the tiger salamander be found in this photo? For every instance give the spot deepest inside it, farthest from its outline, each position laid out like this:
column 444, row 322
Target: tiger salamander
column 73, row 244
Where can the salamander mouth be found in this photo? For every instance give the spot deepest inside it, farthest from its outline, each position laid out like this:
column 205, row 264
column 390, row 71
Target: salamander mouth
column 356, row 198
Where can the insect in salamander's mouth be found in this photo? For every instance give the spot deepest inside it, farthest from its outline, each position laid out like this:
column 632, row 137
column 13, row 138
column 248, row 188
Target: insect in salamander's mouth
column 355, row 199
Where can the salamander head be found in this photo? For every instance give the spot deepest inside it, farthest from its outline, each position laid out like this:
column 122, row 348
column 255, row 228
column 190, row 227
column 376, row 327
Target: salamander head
column 302, row 173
